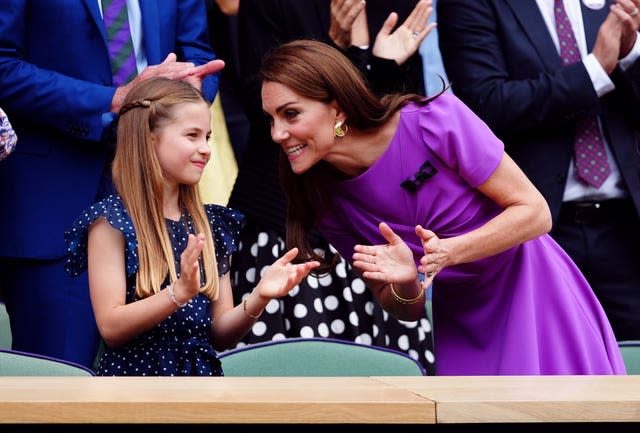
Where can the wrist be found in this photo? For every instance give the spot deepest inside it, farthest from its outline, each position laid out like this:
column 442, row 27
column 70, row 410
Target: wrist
column 247, row 310
column 404, row 300
column 118, row 99
column 174, row 299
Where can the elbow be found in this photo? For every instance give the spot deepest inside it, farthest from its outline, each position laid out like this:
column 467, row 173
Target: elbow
column 111, row 341
column 112, row 337
column 219, row 346
column 221, row 340
column 544, row 220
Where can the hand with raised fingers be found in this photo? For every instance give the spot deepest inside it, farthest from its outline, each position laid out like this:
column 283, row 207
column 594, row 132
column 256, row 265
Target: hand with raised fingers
column 435, row 257
column 169, row 68
column 389, row 263
column 628, row 12
column 402, row 43
column 188, row 284
column 282, row 275
column 196, row 74
column 343, row 16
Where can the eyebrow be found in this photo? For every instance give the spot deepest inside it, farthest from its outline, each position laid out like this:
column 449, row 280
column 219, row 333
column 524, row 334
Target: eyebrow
column 198, row 129
column 285, row 105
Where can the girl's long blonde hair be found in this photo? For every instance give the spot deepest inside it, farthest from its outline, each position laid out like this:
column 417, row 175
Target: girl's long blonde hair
column 138, row 179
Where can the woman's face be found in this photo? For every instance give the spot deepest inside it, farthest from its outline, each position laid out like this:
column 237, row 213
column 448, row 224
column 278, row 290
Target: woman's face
column 302, row 126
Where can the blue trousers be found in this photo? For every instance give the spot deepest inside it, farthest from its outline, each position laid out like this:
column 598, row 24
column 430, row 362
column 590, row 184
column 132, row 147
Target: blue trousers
column 49, row 311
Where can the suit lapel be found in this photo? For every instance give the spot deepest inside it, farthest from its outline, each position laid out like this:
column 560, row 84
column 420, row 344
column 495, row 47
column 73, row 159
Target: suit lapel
column 94, row 10
column 533, row 25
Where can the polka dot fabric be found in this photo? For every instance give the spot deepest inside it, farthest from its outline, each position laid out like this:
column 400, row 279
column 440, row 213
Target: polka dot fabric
column 180, row 345
column 336, row 305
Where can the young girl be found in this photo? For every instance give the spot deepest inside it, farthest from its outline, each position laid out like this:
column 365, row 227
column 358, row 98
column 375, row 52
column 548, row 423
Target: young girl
column 158, row 259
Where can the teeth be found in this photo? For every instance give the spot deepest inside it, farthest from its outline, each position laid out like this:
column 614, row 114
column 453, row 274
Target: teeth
column 295, row 149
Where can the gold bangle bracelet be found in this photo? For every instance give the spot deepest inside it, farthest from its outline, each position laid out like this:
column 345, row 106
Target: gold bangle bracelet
column 246, row 311
column 406, row 301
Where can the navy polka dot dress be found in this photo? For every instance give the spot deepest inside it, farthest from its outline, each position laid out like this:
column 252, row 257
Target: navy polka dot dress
column 180, row 345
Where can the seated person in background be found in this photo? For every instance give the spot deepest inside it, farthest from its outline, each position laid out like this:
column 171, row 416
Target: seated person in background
column 408, row 184
column 157, row 258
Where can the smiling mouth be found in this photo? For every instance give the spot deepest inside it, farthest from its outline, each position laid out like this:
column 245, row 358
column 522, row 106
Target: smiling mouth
column 295, row 149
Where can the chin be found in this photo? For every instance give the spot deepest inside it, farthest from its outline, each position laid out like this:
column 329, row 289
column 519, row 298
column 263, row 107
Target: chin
column 299, row 168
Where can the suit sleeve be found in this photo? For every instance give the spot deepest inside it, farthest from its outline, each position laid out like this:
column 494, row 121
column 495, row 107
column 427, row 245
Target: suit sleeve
column 71, row 105
column 485, row 76
column 192, row 44
column 631, row 79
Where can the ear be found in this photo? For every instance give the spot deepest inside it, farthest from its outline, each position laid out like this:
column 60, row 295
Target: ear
column 340, row 115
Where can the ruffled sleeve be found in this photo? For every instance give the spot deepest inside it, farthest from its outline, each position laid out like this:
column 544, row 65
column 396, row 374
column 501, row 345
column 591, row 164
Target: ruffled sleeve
column 225, row 225
column 112, row 209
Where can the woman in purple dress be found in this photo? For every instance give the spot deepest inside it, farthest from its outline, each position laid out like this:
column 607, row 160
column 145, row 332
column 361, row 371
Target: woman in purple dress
column 410, row 187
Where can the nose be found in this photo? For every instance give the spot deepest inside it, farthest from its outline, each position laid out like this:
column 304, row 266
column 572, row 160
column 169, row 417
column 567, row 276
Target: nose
column 204, row 149
column 278, row 132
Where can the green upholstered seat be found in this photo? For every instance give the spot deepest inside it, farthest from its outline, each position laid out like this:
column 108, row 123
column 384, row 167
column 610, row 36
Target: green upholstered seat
column 317, row 357
column 5, row 328
column 15, row 363
column 631, row 353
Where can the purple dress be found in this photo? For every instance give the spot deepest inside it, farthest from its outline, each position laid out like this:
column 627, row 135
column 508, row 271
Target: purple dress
column 528, row 310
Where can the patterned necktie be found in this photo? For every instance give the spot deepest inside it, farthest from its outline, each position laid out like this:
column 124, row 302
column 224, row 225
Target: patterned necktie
column 116, row 23
column 590, row 156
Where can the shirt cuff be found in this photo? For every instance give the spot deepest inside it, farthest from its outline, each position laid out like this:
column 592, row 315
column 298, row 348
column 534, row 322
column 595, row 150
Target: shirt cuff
column 632, row 56
column 602, row 84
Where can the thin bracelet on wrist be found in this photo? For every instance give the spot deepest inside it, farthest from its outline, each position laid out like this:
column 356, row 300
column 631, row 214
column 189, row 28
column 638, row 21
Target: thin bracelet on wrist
column 246, row 311
column 406, row 301
column 174, row 299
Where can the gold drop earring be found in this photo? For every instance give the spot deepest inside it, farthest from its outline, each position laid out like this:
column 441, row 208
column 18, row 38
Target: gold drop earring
column 340, row 129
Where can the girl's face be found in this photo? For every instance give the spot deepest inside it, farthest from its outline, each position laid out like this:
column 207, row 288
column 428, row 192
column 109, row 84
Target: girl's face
column 302, row 126
column 182, row 143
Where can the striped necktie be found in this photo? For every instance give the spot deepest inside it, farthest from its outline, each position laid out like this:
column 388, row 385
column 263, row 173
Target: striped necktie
column 590, row 155
column 116, row 24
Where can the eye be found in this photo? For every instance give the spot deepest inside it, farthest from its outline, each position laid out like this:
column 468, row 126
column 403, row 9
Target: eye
column 291, row 114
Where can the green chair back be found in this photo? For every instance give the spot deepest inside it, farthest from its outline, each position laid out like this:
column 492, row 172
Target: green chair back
column 15, row 363
column 631, row 353
column 5, row 328
column 317, row 357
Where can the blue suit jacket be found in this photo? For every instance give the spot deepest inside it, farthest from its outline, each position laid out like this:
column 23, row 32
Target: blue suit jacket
column 502, row 62
column 55, row 85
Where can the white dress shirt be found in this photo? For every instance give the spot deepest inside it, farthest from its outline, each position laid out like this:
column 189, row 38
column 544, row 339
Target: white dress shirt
column 602, row 84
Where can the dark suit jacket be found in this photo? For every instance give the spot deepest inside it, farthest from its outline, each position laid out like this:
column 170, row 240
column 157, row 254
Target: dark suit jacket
column 265, row 24
column 55, row 84
column 502, row 62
